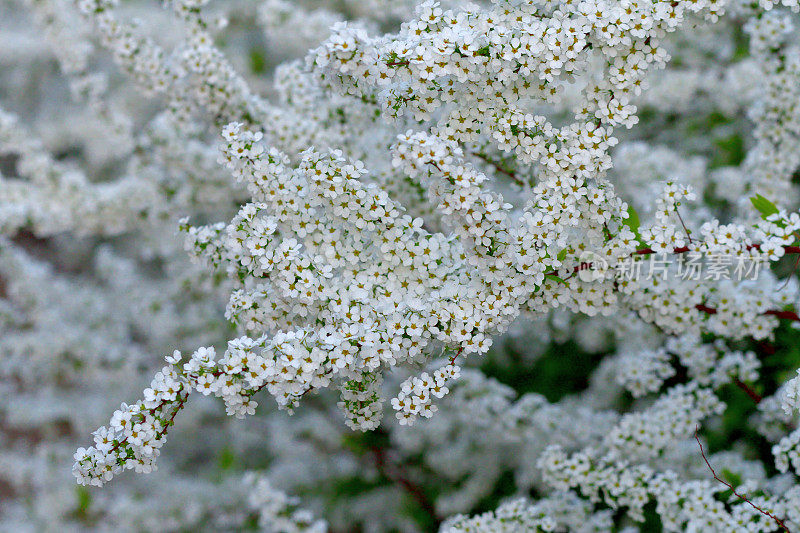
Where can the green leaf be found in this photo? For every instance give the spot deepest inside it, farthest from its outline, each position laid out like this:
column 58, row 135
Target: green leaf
column 729, row 151
column 633, row 220
column 553, row 276
column 258, row 61
column 84, row 502
column 562, row 255
column 732, row 478
column 633, row 223
column 763, row 206
column 227, row 459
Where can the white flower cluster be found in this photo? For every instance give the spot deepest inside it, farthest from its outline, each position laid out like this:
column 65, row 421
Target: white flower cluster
column 279, row 512
column 680, row 303
column 791, row 396
column 240, row 501
column 288, row 365
column 787, row 449
column 559, row 512
column 361, row 402
column 648, row 432
column 643, row 372
column 680, row 503
column 483, row 61
column 713, row 364
column 664, row 235
column 417, row 393
column 769, row 165
column 136, row 432
column 49, row 196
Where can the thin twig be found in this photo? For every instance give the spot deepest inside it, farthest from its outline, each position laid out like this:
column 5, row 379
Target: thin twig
column 790, row 276
column 786, row 315
column 688, row 233
column 743, row 498
column 756, row 397
column 684, row 249
column 455, row 355
column 498, row 167
column 180, row 403
column 394, row 474
column 679, row 250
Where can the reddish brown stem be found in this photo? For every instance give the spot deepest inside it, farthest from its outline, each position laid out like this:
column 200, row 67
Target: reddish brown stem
column 171, row 420
column 706, row 309
column 685, row 229
column 684, row 249
column 510, row 173
column 786, row 315
column 756, row 397
column 743, row 498
column 394, row 474
column 180, row 403
column 455, row 355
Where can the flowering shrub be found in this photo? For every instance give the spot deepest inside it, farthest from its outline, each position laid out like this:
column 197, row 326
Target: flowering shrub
column 504, row 265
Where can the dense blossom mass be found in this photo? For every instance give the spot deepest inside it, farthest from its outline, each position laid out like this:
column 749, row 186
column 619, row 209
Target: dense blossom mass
column 499, row 265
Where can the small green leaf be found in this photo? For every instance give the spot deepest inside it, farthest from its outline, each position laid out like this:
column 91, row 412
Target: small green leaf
column 733, row 478
column 633, row 220
column 258, row 61
column 562, row 255
column 84, row 502
column 227, row 459
column 763, row 206
column 553, row 276
column 633, row 223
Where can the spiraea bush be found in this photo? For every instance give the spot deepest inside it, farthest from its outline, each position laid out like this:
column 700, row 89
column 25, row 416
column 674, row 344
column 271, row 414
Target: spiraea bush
column 396, row 265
